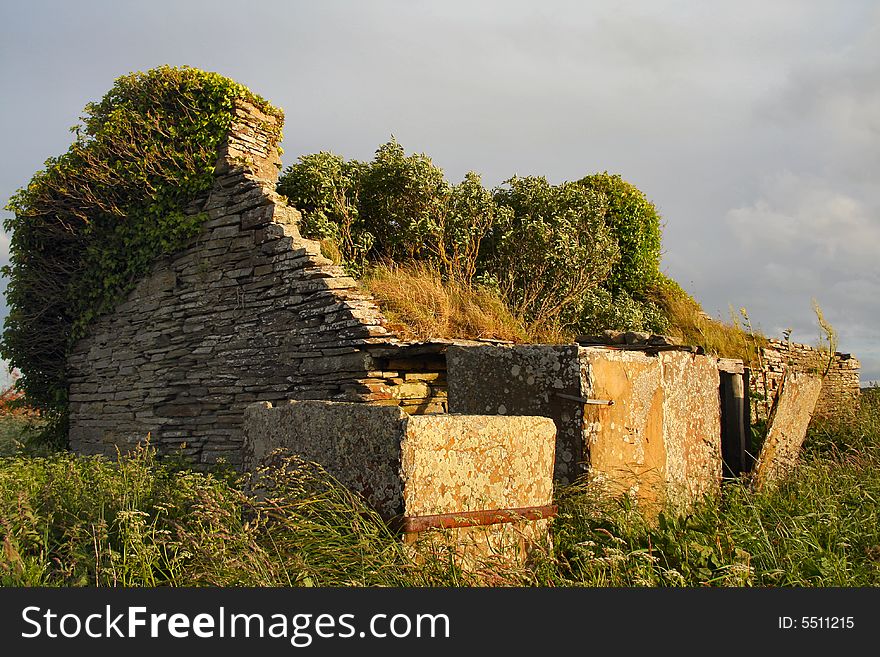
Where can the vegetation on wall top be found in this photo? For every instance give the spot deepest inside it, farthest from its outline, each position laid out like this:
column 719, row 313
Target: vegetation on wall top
column 547, row 260
column 577, row 255
column 89, row 224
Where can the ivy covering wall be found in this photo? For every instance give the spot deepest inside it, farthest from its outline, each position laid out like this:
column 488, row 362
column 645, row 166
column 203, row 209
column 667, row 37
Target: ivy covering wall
column 93, row 220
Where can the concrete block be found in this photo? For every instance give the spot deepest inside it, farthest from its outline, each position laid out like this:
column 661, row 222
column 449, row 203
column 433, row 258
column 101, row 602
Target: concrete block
column 413, row 469
column 660, row 440
column 522, row 380
column 787, row 427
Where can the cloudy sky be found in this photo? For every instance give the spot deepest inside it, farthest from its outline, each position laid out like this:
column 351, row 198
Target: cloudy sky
column 753, row 126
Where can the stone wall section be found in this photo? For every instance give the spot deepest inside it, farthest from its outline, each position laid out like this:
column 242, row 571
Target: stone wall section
column 249, row 311
column 840, row 385
column 411, row 376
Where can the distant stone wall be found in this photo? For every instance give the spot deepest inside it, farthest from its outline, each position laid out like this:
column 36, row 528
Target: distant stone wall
column 840, row 386
column 250, row 311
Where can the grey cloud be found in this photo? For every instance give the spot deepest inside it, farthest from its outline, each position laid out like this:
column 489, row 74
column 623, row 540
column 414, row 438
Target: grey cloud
column 752, row 125
column 805, row 216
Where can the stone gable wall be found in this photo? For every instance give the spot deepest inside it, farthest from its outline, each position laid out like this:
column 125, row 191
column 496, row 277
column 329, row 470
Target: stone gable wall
column 250, row 311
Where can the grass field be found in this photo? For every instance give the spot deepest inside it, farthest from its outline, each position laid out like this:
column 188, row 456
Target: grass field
column 67, row 520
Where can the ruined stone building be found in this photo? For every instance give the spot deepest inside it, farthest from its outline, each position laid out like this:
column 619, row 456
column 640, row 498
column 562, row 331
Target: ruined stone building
column 252, row 313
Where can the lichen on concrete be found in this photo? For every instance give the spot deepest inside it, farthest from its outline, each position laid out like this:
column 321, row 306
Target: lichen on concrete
column 452, row 463
column 420, row 465
column 795, row 404
column 358, row 444
column 661, row 440
column 625, row 441
column 456, row 463
column 691, row 426
column 522, row 380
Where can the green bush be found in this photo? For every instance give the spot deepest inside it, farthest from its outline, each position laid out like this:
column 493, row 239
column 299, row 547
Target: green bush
column 551, row 249
column 92, row 222
column 575, row 256
column 326, row 189
column 402, row 201
column 602, row 309
column 470, row 215
column 389, row 209
column 635, row 224
column 395, row 208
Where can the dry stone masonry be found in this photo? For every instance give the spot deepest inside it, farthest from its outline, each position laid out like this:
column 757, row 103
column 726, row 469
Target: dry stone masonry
column 250, row 311
column 840, row 383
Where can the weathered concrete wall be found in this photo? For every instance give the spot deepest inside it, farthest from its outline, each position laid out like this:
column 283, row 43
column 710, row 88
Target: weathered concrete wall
column 522, row 380
column 358, row 444
column 416, row 466
column 692, row 426
column 624, row 444
column 249, row 311
column 840, row 386
column 458, row 463
column 452, row 463
column 660, row 440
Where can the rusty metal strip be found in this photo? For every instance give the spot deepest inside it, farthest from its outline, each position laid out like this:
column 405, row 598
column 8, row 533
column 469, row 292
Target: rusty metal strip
column 584, row 400
column 413, row 524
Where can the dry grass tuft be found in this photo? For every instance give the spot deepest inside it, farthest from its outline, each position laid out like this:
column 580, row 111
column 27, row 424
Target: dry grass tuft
column 420, row 305
column 689, row 322
column 330, row 250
